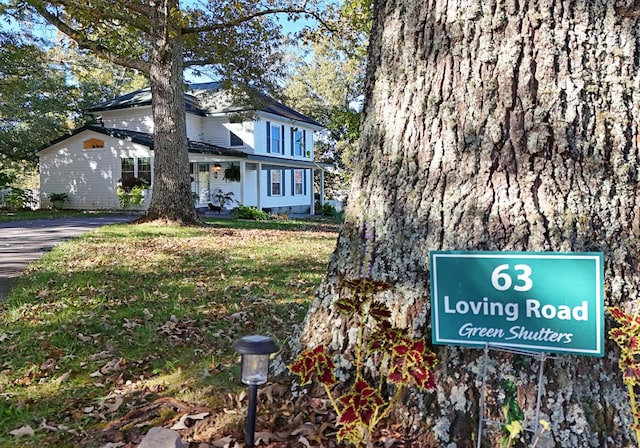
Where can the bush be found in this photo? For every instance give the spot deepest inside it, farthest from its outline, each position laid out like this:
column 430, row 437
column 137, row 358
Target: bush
column 128, row 184
column 20, row 199
column 329, row 210
column 252, row 213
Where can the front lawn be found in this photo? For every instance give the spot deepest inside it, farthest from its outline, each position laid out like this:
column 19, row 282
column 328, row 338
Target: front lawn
column 132, row 325
column 27, row 215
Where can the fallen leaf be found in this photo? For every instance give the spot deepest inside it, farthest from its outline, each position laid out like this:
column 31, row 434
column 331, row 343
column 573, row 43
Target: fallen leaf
column 44, row 425
column 225, row 442
column 266, row 437
column 25, row 431
column 182, row 423
column 304, row 441
column 113, row 407
column 62, row 378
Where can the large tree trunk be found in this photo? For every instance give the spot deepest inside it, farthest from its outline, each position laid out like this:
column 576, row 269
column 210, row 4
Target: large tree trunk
column 497, row 125
column 171, row 197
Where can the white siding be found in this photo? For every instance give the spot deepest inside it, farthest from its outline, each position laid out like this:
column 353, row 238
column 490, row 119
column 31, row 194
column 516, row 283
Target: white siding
column 287, row 199
column 137, row 119
column 194, row 127
column 260, row 135
column 214, row 132
column 88, row 176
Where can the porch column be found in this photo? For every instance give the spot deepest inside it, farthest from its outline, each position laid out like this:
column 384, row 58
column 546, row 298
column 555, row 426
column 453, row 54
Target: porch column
column 243, row 179
column 321, row 188
column 258, row 184
column 312, row 206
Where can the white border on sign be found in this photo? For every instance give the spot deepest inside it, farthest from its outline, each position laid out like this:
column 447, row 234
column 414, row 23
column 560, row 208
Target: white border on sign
column 599, row 299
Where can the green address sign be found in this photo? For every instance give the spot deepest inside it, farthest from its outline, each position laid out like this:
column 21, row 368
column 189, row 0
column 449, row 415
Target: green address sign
column 550, row 302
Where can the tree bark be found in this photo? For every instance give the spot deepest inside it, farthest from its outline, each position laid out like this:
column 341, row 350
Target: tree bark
column 496, row 125
column 171, row 197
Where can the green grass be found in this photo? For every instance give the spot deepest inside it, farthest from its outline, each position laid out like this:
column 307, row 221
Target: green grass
column 23, row 215
column 143, row 311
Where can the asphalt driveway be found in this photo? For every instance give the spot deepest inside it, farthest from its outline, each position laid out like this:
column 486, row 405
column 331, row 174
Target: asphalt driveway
column 22, row 242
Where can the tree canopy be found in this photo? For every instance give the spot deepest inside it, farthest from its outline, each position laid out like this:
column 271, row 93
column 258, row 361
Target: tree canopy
column 34, row 99
column 327, row 81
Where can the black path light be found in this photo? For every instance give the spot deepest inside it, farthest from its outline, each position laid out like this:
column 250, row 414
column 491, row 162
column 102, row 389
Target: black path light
column 255, row 350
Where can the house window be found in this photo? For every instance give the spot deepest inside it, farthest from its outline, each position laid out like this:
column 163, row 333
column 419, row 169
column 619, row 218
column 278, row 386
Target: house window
column 298, row 182
column 139, row 167
column 128, row 168
column 297, row 142
column 235, row 140
column 276, row 183
column 275, row 138
column 144, row 169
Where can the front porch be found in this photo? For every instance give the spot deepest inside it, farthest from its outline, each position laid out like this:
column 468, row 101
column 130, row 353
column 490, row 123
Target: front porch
column 279, row 186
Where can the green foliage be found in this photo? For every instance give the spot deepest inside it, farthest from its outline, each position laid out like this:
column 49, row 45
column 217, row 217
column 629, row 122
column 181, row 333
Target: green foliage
column 19, row 199
column 34, row 98
column 6, row 178
column 329, row 210
column 329, row 85
column 131, row 192
column 58, row 197
column 232, row 173
column 252, row 213
column 512, row 413
column 222, row 198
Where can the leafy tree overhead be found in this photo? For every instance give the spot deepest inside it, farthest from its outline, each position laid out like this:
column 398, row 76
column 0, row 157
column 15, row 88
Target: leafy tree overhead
column 236, row 39
column 34, row 99
column 327, row 82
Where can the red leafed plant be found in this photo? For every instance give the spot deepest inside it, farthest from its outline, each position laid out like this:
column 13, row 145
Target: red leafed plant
column 627, row 336
column 402, row 360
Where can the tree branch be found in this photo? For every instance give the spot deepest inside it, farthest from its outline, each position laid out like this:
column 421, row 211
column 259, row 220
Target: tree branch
column 85, row 43
column 254, row 15
column 139, row 20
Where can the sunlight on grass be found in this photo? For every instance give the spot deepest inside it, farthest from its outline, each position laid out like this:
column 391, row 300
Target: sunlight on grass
column 131, row 313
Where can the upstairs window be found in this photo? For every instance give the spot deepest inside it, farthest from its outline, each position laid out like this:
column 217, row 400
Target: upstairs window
column 297, row 142
column 235, row 140
column 275, row 138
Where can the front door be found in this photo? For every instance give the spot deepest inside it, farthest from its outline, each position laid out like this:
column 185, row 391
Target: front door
column 200, row 182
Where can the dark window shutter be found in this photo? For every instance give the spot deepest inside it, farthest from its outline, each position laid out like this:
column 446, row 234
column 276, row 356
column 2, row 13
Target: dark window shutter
column 292, row 142
column 269, row 186
column 282, row 138
column 283, row 191
column 304, row 181
column 268, row 137
column 303, row 144
column 293, row 182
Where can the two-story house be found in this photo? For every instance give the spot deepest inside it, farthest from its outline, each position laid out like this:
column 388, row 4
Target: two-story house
column 262, row 154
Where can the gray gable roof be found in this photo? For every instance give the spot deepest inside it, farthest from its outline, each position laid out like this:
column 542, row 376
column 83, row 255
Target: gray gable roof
column 146, row 139
column 208, row 98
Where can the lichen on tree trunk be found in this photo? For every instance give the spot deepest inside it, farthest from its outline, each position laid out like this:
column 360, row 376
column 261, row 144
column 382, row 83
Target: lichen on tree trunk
column 497, row 125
